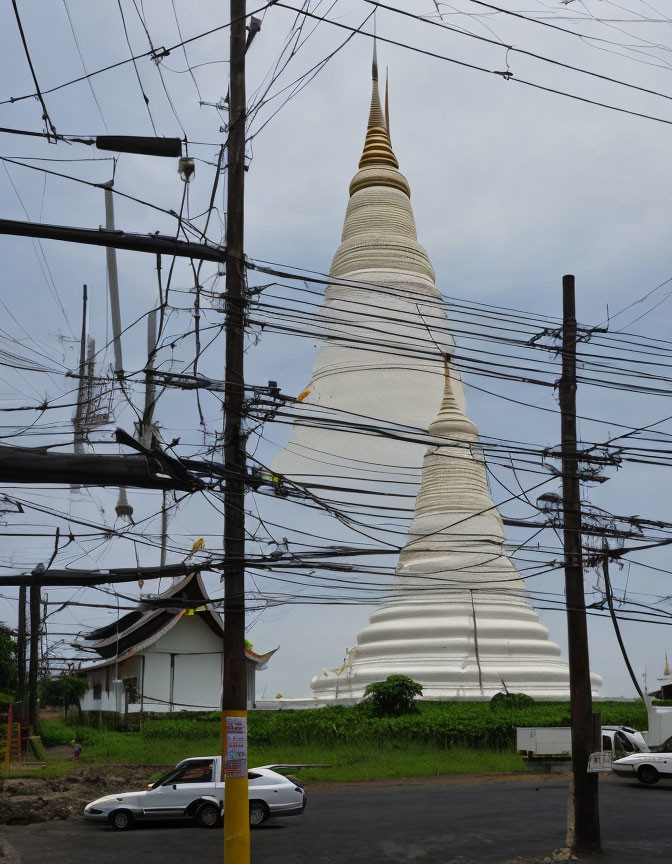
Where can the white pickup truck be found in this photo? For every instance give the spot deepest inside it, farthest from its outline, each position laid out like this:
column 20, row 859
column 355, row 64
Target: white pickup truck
column 195, row 789
column 547, row 742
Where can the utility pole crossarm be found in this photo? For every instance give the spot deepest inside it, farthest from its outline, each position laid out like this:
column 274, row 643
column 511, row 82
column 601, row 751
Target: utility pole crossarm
column 55, row 578
column 33, row 465
column 155, row 243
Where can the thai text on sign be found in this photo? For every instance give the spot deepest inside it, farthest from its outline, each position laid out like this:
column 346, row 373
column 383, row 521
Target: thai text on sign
column 235, row 759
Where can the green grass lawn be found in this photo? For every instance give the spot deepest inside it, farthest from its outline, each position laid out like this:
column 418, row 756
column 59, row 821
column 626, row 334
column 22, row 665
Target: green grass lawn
column 365, row 760
column 387, row 762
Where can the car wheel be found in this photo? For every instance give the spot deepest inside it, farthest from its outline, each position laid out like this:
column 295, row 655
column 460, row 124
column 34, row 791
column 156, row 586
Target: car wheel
column 648, row 775
column 258, row 813
column 121, row 820
column 208, row 816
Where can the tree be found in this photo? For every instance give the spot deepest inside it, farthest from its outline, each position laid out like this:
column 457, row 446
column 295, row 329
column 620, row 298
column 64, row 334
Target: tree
column 393, row 697
column 8, row 665
column 65, row 690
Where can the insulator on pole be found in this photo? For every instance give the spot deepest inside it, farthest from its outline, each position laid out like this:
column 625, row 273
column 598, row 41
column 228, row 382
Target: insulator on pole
column 123, row 509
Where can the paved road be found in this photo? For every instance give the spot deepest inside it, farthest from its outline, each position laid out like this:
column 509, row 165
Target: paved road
column 455, row 823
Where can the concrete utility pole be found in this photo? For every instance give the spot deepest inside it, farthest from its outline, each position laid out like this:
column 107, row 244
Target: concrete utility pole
column 584, row 792
column 234, row 685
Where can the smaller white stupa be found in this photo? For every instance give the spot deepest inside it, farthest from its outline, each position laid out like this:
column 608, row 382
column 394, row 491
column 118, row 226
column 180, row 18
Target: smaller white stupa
column 457, row 619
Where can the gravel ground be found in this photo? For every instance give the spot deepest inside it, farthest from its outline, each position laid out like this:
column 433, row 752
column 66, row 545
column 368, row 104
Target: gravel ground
column 27, row 800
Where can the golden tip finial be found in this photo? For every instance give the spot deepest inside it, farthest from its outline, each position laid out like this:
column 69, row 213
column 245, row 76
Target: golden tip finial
column 377, row 145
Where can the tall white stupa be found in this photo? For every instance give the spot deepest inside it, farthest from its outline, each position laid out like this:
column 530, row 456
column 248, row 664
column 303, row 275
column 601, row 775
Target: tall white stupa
column 457, row 619
column 386, row 363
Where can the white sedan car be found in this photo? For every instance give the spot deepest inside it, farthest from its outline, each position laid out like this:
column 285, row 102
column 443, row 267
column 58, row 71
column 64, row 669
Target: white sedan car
column 648, row 768
column 188, row 790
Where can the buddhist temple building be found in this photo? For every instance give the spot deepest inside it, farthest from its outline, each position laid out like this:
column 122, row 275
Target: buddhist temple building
column 165, row 656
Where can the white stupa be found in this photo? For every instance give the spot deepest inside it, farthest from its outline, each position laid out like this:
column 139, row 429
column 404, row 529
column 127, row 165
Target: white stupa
column 457, row 619
column 386, row 365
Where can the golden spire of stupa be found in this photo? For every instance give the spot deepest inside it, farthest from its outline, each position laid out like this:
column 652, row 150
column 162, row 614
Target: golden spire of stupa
column 377, row 145
column 667, row 665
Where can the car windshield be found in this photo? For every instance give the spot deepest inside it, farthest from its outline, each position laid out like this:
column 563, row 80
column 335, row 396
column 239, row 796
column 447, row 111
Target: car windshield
column 162, row 779
column 192, row 772
column 195, row 772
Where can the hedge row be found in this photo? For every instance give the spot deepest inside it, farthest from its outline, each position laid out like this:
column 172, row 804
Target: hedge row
column 445, row 724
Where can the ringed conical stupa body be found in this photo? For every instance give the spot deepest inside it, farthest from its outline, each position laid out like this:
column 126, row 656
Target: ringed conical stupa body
column 386, row 314
column 457, row 619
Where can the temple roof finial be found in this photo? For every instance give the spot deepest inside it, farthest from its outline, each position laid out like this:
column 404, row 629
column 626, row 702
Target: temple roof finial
column 377, row 145
column 451, row 419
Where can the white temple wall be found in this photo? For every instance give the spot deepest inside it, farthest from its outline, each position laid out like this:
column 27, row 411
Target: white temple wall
column 190, row 633
column 156, row 695
column 197, row 680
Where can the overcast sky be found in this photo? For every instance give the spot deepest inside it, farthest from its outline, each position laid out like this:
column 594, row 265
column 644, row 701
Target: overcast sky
column 512, row 187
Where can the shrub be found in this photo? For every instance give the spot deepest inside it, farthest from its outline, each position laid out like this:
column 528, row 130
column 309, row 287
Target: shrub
column 510, row 700
column 393, row 697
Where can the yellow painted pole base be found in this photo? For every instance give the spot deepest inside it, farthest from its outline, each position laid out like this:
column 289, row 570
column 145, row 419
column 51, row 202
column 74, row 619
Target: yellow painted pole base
column 236, row 802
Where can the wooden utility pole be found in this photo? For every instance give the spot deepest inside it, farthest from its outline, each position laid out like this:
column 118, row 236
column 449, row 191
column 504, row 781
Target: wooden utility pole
column 234, row 689
column 584, row 803
column 35, row 623
column 21, row 654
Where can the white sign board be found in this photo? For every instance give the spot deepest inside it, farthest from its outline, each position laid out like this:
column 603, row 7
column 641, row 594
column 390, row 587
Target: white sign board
column 235, row 763
column 599, row 762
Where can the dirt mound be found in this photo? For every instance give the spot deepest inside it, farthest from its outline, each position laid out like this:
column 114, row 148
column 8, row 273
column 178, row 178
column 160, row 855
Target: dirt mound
column 31, row 799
